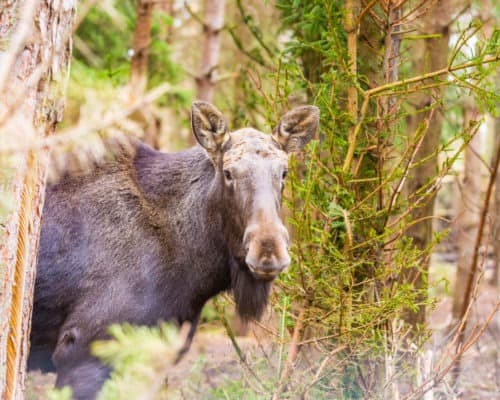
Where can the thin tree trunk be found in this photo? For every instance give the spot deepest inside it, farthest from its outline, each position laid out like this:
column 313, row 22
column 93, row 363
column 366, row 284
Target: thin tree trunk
column 214, row 21
column 142, row 40
column 31, row 104
column 496, row 238
column 493, row 124
column 430, row 54
column 470, row 210
column 496, row 215
column 168, row 8
column 139, row 70
column 351, row 29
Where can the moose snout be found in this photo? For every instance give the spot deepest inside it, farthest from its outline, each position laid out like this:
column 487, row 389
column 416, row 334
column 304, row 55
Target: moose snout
column 267, row 254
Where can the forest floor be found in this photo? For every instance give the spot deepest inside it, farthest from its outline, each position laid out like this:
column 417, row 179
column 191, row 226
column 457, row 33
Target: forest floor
column 212, row 370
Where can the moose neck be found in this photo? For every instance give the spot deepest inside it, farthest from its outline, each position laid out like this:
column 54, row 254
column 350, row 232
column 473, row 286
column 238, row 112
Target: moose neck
column 188, row 182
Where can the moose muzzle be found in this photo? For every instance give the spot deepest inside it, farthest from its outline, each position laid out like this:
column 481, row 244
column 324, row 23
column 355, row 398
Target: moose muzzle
column 267, row 249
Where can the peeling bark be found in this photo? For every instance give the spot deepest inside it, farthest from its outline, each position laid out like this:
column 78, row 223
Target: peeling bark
column 31, row 104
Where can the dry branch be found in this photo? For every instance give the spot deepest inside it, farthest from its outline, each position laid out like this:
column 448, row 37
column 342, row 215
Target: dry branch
column 84, row 128
column 474, row 264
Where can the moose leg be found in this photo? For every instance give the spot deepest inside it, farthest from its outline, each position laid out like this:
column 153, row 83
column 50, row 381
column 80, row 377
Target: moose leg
column 189, row 339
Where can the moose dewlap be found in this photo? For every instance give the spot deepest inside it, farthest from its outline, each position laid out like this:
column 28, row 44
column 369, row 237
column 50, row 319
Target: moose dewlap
column 151, row 237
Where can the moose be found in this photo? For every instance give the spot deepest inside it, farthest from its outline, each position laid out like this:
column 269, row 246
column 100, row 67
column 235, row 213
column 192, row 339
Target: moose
column 151, row 236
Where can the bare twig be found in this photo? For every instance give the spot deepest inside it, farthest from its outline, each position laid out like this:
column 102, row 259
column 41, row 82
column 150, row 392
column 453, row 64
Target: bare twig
column 474, row 264
column 292, row 354
column 83, row 129
column 440, row 373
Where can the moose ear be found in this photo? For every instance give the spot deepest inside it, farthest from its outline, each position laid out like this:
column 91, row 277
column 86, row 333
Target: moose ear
column 209, row 126
column 296, row 128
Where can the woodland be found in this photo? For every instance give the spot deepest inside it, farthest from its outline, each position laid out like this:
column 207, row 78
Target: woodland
column 393, row 209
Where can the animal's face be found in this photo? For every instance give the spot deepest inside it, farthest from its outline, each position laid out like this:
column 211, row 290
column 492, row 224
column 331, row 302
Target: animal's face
column 251, row 169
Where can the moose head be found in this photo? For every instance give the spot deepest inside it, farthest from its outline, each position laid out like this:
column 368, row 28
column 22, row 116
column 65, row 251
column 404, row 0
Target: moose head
column 250, row 172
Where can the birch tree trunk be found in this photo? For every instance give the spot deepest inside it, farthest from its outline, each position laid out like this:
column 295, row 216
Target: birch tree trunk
column 430, row 54
column 470, row 211
column 214, row 21
column 35, row 51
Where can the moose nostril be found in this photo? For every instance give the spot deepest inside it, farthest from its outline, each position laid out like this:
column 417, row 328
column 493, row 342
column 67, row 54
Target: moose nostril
column 267, row 264
column 267, row 246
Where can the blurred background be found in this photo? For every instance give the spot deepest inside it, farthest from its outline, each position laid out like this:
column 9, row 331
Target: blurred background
column 394, row 209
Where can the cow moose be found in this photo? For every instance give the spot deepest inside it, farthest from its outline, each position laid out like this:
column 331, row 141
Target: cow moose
column 151, row 236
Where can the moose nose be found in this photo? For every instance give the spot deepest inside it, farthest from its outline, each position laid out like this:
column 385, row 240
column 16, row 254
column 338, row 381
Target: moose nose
column 266, row 249
column 267, row 266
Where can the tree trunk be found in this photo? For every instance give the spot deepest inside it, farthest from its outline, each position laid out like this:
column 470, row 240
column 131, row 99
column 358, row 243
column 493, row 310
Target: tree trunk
column 142, row 40
column 166, row 31
column 139, row 70
column 470, row 211
column 33, row 76
column 214, row 21
column 496, row 216
column 495, row 279
column 494, row 129
column 430, row 54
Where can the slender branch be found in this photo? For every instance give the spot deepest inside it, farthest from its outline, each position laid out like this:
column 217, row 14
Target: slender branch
column 440, row 374
column 430, row 75
column 195, row 16
column 292, row 353
column 83, row 10
column 364, row 11
column 241, row 48
column 83, row 129
column 253, row 29
column 384, row 88
column 350, row 27
column 235, row 344
column 474, row 265
column 354, row 135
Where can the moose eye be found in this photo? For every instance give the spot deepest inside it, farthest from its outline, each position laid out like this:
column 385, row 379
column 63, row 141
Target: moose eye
column 227, row 174
column 285, row 173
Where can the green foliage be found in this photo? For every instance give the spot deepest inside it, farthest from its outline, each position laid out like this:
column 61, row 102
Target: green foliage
column 351, row 251
column 108, row 41
column 140, row 358
column 59, row 394
column 108, row 38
